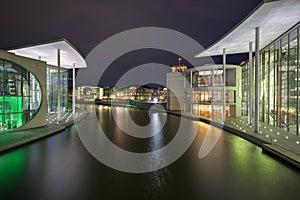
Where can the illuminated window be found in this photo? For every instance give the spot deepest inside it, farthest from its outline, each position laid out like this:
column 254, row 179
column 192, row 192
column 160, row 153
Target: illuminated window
column 20, row 95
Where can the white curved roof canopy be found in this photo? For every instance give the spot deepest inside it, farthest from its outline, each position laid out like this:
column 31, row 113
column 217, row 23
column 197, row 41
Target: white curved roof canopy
column 274, row 18
column 48, row 52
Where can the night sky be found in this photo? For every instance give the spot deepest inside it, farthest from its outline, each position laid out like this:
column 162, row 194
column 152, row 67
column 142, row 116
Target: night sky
column 86, row 23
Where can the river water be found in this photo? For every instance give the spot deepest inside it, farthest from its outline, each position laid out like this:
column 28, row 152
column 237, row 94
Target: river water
column 60, row 167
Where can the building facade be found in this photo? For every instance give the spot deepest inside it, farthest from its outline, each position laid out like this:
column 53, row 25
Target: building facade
column 176, row 93
column 279, row 82
column 271, row 33
column 204, row 94
column 199, row 91
column 23, row 99
column 88, row 94
column 34, row 82
column 107, row 93
column 131, row 93
column 52, row 89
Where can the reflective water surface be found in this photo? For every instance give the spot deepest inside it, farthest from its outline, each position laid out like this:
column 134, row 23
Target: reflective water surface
column 59, row 167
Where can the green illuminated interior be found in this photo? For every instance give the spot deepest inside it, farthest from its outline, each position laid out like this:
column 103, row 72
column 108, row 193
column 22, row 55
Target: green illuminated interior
column 11, row 111
column 20, row 95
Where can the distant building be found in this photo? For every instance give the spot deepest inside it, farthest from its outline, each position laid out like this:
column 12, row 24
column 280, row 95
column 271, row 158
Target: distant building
column 159, row 94
column 179, row 68
column 107, row 93
column 142, row 93
column 89, row 94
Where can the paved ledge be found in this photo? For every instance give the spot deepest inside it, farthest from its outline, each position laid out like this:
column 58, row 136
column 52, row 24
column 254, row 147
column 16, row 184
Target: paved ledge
column 271, row 139
column 13, row 140
column 282, row 153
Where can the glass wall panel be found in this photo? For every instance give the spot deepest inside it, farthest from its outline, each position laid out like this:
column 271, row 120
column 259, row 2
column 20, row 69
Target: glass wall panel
column 298, row 77
column 277, row 115
column 15, row 96
column 279, row 100
column 245, row 85
column 293, row 80
column 265, row 85
column 52, row 89
column 284, row 97
column 272, row 91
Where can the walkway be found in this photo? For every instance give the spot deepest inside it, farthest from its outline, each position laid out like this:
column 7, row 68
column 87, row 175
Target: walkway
column 14, row 139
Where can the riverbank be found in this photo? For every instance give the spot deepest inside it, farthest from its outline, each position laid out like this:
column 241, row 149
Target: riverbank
column 271, row 139
column 11, row 140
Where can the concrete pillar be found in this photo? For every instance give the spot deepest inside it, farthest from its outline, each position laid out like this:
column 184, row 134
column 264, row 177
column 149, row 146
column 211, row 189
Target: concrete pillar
column 212, row 94
column 58, row 85
column 224, row 86
column 250, row 70
column 257, row 83
column 73, row 92
column 192, row 92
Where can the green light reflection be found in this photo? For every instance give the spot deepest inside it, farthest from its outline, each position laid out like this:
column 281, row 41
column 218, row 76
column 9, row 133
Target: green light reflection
column 11, row 166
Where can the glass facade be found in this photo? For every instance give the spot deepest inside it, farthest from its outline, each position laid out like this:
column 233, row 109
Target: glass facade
column 20, row 95
column 279, row 79
column 88, row 93
column 204, row 95
column 52, row 89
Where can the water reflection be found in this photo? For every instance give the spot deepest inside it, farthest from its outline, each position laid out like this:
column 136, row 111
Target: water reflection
column 210, row 140
column 11, row 168
column 158, row 179
column 157, row 183
column 59, row 167
column 128, row 121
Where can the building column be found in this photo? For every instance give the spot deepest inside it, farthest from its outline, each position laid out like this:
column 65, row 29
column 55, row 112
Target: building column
column 224, row 86
column 250, row 70
column 192, row 92
column 298, row 66
column 58, row 85
column 212, row 94
column 73, row 92
column 257, row 83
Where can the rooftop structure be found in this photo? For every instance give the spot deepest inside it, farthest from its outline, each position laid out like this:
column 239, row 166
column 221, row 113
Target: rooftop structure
column 273, row 17
column 47, row 51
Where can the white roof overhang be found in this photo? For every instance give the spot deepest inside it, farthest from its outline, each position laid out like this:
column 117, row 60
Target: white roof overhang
column 274, row 18
column 47, row 52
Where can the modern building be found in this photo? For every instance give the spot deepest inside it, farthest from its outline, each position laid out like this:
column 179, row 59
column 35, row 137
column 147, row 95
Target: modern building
column 270, row 81
column 279, row 82
column 34, row 81
column 199, row 91
column 23, row 92
column 107, row 93
column 204, row 93
column 160, row 94
column 176, row 85
column 140, row 93
column 88, row 94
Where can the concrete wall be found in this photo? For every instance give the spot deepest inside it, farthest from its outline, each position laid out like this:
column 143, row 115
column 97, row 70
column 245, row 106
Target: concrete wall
column 176, row 94
column 38, row 69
